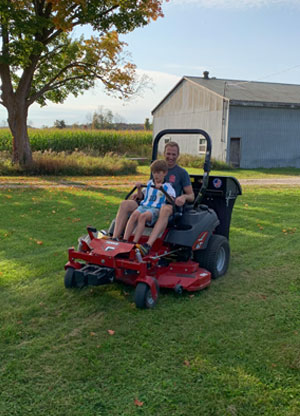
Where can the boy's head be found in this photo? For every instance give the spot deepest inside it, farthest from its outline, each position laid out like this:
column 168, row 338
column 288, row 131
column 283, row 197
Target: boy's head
column 159, row 166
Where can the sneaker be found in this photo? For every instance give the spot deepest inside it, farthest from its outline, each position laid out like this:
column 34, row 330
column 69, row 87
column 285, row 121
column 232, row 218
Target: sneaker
column 103, row 236
column 144, row 249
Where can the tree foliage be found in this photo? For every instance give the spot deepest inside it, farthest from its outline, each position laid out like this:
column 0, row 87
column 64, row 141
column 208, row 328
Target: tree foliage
column 41, row 60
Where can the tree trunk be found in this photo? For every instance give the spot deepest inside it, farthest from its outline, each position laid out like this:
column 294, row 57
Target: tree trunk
column 17, row 121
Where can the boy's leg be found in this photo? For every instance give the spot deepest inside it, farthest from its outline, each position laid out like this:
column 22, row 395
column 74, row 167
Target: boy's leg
column 131, row 224
column 143, row 218
column 161, row 224
column 125, row 209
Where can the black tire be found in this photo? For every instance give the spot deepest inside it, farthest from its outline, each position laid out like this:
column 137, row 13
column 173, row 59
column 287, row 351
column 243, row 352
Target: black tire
column 215, row 258
column 69, row 278
column 143, row 296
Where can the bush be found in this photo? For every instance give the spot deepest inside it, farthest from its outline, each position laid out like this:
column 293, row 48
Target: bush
column 75, row 164
column 190, row 161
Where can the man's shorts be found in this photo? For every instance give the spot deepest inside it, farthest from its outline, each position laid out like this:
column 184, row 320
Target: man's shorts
column 154, row 212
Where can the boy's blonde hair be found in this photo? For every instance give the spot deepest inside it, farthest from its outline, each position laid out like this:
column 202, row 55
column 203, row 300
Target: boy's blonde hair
column 158, row 166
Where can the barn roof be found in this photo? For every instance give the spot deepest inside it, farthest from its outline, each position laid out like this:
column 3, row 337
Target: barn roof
column 246, row 92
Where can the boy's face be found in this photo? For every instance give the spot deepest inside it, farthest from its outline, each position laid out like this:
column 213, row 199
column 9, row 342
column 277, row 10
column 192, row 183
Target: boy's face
column 159, row 176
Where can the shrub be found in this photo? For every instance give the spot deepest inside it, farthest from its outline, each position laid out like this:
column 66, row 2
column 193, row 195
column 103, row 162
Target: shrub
column 198, row 162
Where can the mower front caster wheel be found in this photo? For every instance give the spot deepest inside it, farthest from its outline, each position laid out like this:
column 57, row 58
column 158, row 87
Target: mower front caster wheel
column 69, row 278
column 143, row 296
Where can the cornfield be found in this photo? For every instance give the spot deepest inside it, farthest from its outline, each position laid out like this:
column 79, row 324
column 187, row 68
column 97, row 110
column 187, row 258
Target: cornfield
column 130, row 143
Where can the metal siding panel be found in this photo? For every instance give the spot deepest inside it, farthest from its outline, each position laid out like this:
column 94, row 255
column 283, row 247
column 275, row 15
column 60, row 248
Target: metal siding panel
column 191, row 107
column 269, row 137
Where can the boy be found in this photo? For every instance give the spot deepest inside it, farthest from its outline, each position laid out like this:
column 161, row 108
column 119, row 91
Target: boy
column 153, row 200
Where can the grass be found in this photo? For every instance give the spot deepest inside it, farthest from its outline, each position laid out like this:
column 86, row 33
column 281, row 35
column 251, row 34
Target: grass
column 241, row 173
column 230, row 350
column 75, row 163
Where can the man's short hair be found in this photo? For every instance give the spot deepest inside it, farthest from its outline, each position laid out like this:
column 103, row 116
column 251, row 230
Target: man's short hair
column 172, row 144
column 158, row 166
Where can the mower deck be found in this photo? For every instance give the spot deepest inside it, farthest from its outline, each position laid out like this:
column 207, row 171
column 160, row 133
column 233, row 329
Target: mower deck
column 107, row 260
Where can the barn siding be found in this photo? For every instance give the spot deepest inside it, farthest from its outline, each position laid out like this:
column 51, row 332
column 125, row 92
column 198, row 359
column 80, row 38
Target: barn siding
column 193, row 107
column 270, row 137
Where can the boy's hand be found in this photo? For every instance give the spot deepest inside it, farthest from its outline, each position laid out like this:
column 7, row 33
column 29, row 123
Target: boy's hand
column 138, row 185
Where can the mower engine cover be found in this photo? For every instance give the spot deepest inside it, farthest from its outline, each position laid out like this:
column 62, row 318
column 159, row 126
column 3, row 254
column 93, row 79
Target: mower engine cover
column 191, row 225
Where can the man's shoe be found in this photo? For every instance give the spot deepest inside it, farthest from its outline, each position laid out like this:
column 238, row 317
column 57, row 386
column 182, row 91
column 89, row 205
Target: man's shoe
column 144, row 249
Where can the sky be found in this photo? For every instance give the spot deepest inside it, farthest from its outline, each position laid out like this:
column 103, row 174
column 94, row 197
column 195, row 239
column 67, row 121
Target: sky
column 252, row 40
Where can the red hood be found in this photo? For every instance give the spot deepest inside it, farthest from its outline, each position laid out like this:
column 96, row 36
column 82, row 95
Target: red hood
column 109, row 248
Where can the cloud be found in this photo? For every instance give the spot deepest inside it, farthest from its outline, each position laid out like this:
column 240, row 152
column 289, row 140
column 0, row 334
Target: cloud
column 79, row 110
column 237, row 4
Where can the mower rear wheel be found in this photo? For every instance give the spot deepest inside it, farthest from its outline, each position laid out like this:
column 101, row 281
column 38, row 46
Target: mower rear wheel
column 69, row 278
column 143, row 296
column 215, row 258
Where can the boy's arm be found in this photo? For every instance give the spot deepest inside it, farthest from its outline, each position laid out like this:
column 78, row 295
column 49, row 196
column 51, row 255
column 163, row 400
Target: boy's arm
column 139, row 194
column 170, row 191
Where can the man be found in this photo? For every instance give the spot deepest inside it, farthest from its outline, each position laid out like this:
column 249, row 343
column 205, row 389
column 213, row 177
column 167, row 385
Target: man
column 179, row 179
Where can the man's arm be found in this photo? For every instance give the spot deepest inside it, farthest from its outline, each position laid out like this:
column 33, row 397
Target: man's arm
column 188, row 196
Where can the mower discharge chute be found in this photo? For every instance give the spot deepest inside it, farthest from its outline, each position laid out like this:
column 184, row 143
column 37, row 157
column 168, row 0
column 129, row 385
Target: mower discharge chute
column 193, row 249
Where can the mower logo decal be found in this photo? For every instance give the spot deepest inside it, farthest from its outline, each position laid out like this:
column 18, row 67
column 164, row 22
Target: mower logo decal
column 110, row 248
column 217, row 183
column 113, row 243
column 200, row 241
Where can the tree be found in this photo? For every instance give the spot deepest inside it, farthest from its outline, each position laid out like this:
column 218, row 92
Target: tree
column 60, row 124
column 147, row 125
column 41, row 62
column 103, row 119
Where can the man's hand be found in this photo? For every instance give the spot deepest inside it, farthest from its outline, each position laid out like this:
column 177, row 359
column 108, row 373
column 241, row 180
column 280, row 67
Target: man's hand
column 138, row 185
column 180, row 200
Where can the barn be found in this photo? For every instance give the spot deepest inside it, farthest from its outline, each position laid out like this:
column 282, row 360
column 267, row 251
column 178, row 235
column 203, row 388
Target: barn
column 252, row 124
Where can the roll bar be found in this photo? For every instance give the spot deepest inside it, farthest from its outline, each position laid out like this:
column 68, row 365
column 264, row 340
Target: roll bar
column 206, row 166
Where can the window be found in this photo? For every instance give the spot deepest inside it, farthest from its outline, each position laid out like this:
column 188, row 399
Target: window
column 202, row 146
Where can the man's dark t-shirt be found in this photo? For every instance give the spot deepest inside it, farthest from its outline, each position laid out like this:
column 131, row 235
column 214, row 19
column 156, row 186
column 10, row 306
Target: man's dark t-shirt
column 178, row 178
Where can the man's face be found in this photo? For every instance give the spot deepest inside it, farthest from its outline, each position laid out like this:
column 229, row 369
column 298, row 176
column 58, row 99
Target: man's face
column 171, row 156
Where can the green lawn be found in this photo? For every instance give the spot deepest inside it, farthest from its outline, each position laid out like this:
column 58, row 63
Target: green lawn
column 242, row 173
column 230, row 350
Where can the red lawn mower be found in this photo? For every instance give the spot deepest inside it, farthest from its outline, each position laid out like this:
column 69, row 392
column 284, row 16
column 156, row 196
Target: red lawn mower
column 193, row 249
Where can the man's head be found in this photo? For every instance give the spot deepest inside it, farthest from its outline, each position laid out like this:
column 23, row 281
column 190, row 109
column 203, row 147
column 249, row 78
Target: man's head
column 159, row 169
column 171, row 154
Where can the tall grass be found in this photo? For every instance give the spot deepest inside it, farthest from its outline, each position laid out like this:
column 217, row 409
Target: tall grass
column 131, row 143
column 75, row 163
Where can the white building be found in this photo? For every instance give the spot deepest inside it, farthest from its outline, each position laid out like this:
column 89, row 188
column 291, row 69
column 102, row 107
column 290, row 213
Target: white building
column 251, row 124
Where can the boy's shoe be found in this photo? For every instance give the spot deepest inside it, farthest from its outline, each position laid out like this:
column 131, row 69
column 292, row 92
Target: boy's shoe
column 144, row 249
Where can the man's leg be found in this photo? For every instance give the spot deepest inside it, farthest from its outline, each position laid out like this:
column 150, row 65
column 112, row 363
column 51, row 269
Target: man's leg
column 125, row 209
column 161, row 224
